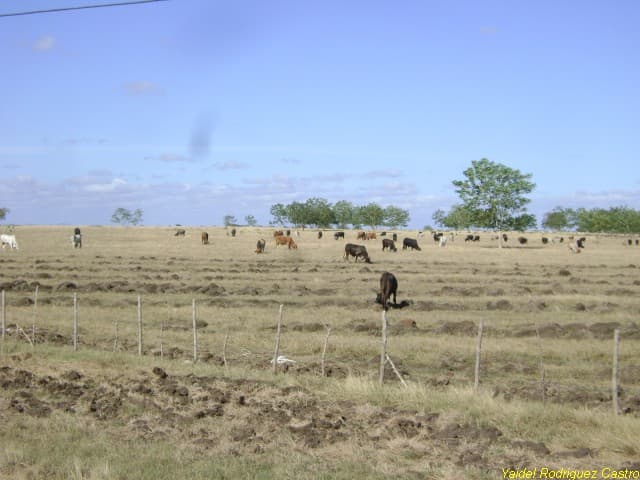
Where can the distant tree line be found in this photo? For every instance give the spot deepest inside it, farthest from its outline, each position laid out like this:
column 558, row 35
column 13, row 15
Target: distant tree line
column 613, row 220
column 319, row 213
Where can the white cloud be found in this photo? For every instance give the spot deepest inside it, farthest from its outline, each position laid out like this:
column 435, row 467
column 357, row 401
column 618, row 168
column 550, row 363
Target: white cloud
column 230, row 165
column 44, row 44
column 111, row 186
column 143, row 87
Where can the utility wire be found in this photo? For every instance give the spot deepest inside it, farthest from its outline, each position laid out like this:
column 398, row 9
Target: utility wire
column 65, row 9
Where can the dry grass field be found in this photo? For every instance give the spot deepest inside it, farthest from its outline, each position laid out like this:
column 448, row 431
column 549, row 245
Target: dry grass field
column 96, row 413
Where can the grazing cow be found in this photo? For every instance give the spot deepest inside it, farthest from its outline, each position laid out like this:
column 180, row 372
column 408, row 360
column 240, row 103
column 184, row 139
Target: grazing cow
column 522, row 240
column 390, row 244
column 580, row 242
column 180, row 233
column 361, row 236
column 356, row 251
column 260, row 246
column 468, row 238
column 9, row 240
column 319, row 235
column 205, row 238
column 383, row 234
column 233, row 232
column 394, row 237
column 573, row 246
column 437, row 236
column 629, row 242
column 504, row 237
column 411, row 243
column 370, row 236
column 338, row 235
column 284, row 240
column 277, row 233
column 388, row 287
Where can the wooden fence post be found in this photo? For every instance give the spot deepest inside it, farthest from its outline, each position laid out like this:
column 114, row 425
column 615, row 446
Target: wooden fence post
column 616, row 343
column 324, row 350
column 35, row 315
column 224, row 353
column 383, row 353
column 139, row 327
column 476, row 382
column 75, row 322
column 115, row 341
column 277, row 349
column 195, row 331
column 3, row 314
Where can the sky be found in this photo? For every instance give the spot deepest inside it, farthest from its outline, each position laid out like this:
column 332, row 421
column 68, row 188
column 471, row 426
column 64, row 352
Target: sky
column 195, row 109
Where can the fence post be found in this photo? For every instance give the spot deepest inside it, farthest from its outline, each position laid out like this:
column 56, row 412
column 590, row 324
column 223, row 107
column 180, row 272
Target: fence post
column 115, row 341
column 195, row 331
column 476, row 382
column 75, row 322
column 616, row 343
column 35, row 315
column 139, row 327
column 277, row 349
column 383, row 353
column 3, row 313
column 224, row 353
column 324, row 350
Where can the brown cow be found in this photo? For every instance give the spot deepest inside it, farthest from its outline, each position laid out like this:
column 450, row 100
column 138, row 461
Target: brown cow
column 278, row 233
column 361, row 236
column 205, row 238
column 356, row 251
column 260, row 246
column 370, row 236
column 284, row 240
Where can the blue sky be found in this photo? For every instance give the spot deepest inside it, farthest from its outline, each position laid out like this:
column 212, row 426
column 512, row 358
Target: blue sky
column 195, row 109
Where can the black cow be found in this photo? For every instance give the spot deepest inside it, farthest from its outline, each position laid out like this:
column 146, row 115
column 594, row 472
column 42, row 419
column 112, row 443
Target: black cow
column 637, row 241
column 338, row 235
column 319, row 235
column 388, row 287
column 629, row 242
column 472, row 238
column 260, row 246
column 545, row 240
column 356, row 251
column 504, row 237
column 522, row 240
column 77, row 238
column 390, row 244
column 233, row 232
column 383, row 234
column 180, row 233
column 288, row 233
column 437, row 236
column 395, row 237
column 411, row 243
column 580, row 242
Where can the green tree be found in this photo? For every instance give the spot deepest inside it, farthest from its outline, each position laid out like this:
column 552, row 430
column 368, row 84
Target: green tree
column 319, row 212
column 279, row 214
column 394, row 217
column 495, row 195
column 3, row 213
column 439, row 217
column 124, row 216
column 343, row 213
column 251, row 220
column 371, row 214
column 297, row 214
column 229, row 221
column 557, row 219
column 458, row 218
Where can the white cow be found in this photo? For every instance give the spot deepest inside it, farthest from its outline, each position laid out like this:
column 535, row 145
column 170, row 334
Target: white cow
column 9, row 240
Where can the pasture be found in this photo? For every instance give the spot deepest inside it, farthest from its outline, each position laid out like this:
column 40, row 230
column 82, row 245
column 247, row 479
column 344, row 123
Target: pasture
column 105, row 412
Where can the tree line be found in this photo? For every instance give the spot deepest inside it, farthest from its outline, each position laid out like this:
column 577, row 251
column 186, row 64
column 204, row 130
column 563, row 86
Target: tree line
column 319, row 213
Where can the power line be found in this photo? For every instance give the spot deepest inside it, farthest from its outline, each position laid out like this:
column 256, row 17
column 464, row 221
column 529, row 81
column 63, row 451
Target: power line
column 66, row 9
